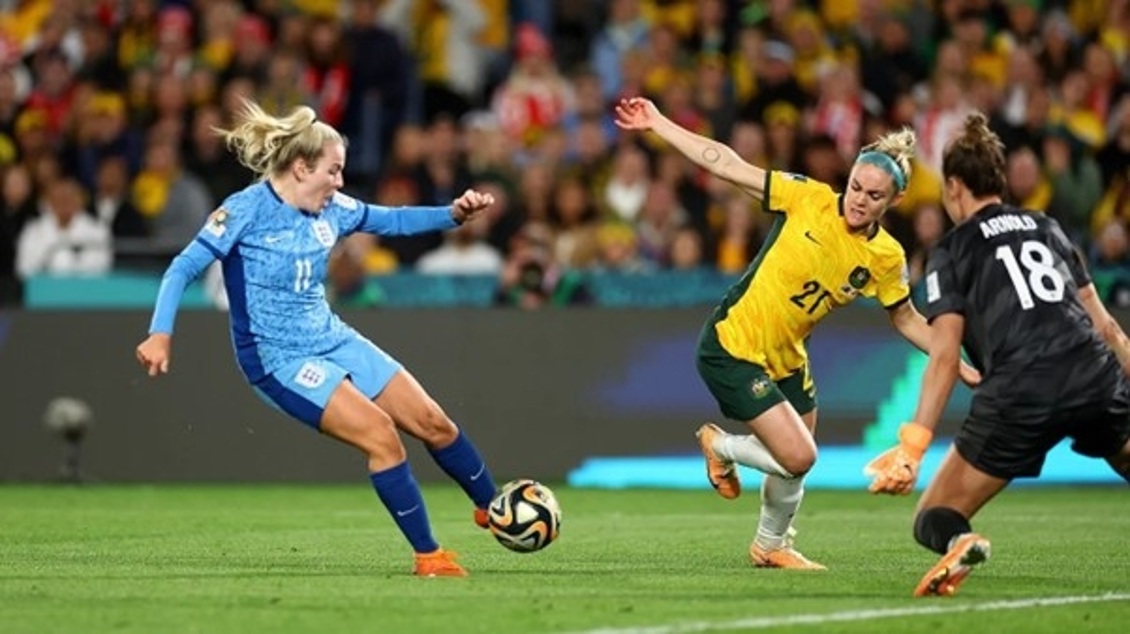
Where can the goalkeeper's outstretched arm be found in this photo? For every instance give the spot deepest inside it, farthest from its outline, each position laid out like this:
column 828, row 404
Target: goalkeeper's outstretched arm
column 941, row 370
column 896, row 470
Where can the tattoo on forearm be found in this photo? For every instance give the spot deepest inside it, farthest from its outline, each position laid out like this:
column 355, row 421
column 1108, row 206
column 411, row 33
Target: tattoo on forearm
column 711, row 155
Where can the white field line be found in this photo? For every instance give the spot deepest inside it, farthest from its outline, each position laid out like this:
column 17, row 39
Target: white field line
column 858, row 615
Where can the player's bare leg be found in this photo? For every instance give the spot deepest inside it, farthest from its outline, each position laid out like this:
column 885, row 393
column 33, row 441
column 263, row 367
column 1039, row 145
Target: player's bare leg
column 355, row 420
column 791, row 448
column 772, row 546
column 958, row 491
column 418, row 415
column 787, row 438
column 358, row 422
column 415, row 412
column 779, row 443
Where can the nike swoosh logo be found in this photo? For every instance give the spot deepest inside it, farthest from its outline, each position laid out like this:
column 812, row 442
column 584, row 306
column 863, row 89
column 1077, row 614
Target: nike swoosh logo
column 478, row 475
column 809, row 236
column 408, row 512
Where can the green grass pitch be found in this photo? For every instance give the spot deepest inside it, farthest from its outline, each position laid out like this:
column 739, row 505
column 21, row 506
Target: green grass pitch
column 227, row 558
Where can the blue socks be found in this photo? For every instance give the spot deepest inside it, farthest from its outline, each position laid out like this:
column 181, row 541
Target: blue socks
column 397, row 489
column 462, row 462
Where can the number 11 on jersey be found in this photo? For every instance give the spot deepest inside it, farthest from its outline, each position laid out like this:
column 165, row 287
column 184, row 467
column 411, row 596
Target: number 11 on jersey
column 303, row 274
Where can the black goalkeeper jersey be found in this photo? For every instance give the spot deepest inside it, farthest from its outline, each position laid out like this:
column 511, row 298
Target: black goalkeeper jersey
column 1015, row 277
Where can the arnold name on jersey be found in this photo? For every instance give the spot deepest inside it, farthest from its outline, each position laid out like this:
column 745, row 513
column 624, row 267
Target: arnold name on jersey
column 997, row 225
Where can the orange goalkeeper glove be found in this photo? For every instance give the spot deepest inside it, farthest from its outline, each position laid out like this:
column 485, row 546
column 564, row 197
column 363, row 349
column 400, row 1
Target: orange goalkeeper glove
column 895, row 470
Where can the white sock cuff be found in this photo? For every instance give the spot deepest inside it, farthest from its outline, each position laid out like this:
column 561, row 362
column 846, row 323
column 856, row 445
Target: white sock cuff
column 749, row 451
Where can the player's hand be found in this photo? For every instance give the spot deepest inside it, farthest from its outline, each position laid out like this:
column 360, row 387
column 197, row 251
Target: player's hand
column 636, row 113
column 470, row 205
column 969, row 375
column 896, row 470
column 153, row 353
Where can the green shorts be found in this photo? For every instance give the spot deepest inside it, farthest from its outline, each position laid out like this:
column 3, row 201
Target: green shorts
column 743, row 389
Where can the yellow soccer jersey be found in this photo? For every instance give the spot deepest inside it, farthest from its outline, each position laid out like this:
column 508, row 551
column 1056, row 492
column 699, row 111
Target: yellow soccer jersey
column 809, row 265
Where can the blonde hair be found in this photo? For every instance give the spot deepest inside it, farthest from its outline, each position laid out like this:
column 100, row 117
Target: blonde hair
column 267, row 144
column 900, row 146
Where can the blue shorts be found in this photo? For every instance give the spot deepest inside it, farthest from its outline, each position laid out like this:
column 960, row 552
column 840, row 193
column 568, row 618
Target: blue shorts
column 303, row 387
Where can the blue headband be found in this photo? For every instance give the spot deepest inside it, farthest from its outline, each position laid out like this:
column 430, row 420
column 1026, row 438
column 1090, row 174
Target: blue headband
column 886, row 163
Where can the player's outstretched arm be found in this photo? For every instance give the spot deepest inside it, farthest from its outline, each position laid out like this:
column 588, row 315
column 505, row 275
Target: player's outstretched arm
column 941, row 370
column 896, row 470
column 154, row 353
column 638, row 113
column 1106, row 326
column 406, row 221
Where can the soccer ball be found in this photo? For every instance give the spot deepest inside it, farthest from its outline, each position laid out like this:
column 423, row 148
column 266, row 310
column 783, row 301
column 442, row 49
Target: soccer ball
column 524, row 516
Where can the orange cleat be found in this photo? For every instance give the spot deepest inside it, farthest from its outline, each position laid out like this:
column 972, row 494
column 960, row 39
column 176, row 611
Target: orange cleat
column 723, row 474
column 440, row 563
column 482, row 519
column 943, row 579
column 785, row 557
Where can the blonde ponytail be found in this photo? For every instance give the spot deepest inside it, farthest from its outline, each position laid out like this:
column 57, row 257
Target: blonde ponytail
column 899, row 146
column 268, row 145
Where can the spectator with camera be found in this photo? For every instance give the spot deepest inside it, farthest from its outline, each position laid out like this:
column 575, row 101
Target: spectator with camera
column 532, row 279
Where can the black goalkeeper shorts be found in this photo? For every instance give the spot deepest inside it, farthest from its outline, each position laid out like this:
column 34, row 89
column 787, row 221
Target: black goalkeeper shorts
column 1012, row 442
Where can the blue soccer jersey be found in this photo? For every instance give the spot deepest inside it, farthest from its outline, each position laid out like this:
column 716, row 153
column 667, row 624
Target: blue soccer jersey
column 274, row 259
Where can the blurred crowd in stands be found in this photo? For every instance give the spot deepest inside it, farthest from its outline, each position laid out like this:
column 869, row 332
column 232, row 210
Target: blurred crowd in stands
column 108, row 160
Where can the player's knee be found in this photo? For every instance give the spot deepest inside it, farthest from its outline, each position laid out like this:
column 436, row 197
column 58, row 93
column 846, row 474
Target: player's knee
column 797, row 463
column 382, row 443
column 936, row 526
column 436, row 429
